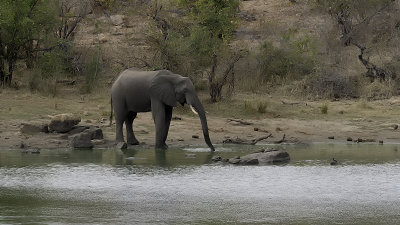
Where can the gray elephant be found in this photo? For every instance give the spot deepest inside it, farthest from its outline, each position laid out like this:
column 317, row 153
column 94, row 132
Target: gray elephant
column 156, row 91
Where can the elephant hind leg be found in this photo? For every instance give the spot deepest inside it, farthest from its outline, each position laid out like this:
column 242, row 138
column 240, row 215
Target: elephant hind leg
column 130, row 136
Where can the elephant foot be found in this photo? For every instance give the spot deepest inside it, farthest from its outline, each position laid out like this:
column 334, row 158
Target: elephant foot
column 133, row 142
column 162, row 146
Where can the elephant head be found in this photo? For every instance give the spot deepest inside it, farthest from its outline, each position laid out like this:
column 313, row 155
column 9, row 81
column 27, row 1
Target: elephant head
column 172, row 89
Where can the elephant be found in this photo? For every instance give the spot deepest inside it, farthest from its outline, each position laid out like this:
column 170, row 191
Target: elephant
column 159, row 91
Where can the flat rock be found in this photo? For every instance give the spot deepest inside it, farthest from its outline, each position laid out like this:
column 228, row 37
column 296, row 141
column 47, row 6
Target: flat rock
column 34, row 128
column 63, row 123
column 263, row 156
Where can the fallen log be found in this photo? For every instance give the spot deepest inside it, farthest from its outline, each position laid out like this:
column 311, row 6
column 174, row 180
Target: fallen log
column 238, row 140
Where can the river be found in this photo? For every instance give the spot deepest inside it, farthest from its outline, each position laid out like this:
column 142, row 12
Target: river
column 183, row 186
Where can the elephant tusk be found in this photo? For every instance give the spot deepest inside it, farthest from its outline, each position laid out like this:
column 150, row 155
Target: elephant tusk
column 193, row 110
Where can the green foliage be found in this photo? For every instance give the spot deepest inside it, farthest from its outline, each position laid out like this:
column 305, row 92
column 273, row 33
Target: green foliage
column 294, row 59
column 107, row 4
column 324, row 108
column 218, row 17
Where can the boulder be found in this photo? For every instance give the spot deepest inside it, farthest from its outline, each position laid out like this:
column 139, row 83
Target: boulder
column 94, row 132
column 263, row 156
column 63, row 123
column 34, row 128
column 117, row 19
column 266, row 157
column 82, row 140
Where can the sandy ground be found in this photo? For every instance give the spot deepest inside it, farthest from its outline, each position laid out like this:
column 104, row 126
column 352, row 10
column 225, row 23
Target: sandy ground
column 182, row 132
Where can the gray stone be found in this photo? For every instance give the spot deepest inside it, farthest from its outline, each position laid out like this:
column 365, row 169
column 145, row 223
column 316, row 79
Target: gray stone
column 34, row 128
column 82, row 140
column 94, row 132
column 234, row 161
column 266, row 157
column 117, row 19
column 63, row 123
column 216, row 158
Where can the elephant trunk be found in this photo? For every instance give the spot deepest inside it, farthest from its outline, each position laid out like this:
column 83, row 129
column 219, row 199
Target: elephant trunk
column 194, row 101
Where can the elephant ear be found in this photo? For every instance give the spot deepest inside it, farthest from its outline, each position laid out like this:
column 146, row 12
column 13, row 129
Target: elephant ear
column 162, row 88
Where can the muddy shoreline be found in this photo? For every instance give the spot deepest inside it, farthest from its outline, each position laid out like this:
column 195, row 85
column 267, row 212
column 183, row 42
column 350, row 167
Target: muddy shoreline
column 186, row 131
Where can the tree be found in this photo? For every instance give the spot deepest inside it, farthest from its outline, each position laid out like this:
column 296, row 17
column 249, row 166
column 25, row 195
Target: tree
column 22, row 23
column 214, row 24
column 199, row 43
column 364, row 24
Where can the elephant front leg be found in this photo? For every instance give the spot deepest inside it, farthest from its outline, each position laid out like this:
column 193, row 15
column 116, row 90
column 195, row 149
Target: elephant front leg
column 159, row 116
column 130, row 136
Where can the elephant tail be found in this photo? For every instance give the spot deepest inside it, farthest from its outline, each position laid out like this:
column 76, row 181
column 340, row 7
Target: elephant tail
column 111, row 114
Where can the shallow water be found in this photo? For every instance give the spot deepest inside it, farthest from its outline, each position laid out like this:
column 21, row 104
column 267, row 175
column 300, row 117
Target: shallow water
column 183, row 186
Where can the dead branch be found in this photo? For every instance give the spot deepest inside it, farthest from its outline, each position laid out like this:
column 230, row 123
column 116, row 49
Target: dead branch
column 290, row 103
column 242, row 122
column 238, row 140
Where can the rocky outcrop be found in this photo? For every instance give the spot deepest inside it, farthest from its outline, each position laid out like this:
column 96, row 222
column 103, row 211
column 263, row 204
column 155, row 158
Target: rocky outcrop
column 63, row 123
column 264, row 156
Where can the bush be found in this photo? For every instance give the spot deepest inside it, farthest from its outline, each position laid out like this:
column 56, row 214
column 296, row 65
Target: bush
column 324, row 108
column 292, row 60
column 379, row 89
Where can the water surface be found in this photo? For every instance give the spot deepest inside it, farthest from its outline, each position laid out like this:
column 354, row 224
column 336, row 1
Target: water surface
column 182, row 186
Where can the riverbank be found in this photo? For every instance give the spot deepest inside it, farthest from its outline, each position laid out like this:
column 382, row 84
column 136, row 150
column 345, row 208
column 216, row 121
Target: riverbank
column 297, row 121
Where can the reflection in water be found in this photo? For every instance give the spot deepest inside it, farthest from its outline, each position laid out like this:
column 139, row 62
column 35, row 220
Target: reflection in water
column 165, row 187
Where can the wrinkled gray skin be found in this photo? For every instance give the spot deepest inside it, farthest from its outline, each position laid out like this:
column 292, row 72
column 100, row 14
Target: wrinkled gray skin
column 156, row 91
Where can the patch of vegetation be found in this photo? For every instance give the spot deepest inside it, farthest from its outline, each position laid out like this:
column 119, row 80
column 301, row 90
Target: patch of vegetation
column 324, row 108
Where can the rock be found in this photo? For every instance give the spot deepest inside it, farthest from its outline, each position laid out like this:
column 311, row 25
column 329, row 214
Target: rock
column 216, row 158
column 34, row 128
column 82, row 140
column 117, row 19
column 94, row 132
column 333, row 162
column 122, row 145
column 195, row 136
column 63, row 123
column 261, row 157
column 98, row 141
column 102, row 38
column 31, row 151
column 234, row 161
column 276, row 156
column 77, row 130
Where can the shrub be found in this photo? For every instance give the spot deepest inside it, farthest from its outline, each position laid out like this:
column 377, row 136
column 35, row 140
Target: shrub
column 324, row 108
column 293, row 59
